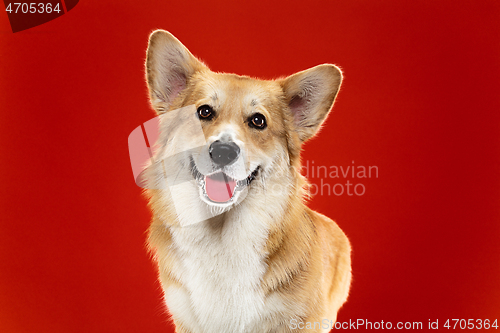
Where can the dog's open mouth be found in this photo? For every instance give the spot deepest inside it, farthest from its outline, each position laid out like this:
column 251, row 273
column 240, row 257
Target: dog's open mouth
column 218, row 187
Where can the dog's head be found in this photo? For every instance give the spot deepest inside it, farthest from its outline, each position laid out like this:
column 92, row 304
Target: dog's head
column 231, row 133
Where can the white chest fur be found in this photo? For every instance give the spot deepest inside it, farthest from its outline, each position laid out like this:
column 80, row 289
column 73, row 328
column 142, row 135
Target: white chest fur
column 221, row 267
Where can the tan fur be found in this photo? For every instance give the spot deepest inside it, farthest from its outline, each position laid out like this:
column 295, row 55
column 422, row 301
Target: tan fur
column 305, row 257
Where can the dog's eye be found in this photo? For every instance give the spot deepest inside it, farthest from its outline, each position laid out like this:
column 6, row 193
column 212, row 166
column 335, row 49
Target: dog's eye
column 257, row 121
column 205, row 112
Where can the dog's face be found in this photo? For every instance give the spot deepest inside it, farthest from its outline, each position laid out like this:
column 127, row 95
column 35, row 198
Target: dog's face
column 243, row 125
column 231, row 133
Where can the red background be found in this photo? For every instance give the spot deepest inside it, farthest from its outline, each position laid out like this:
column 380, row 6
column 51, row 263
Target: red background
column 420, row 100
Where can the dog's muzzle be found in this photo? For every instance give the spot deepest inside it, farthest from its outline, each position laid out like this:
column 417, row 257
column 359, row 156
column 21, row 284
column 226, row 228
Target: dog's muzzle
column 217, row 186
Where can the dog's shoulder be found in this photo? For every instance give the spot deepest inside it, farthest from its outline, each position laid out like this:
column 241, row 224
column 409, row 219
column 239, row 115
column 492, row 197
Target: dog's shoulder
column 336, row 250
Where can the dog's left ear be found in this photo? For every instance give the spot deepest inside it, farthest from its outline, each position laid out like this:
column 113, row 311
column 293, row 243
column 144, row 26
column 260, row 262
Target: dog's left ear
column 169, row 66
column 310, row 95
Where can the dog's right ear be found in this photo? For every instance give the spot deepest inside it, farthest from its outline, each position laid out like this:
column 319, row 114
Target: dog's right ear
column 310, row 95
column 169, row 65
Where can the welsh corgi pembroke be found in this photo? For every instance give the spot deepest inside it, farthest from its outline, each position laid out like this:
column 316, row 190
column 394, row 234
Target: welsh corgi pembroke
column 237, row 248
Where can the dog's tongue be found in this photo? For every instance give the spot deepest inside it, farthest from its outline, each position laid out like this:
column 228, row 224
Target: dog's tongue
column 219, row 187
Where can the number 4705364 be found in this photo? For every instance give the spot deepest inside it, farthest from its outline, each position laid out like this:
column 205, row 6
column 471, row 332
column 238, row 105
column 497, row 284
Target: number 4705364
column 471, row 324
column 32, row 8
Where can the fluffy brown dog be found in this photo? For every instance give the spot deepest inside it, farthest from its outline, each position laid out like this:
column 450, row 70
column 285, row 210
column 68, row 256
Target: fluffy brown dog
column 237, row 249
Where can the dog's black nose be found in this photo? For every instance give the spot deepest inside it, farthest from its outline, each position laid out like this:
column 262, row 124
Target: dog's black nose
column 224, row 153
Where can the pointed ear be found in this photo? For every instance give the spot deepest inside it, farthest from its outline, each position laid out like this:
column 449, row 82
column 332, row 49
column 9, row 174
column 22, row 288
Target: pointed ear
column 169, row 65
column 310, row 95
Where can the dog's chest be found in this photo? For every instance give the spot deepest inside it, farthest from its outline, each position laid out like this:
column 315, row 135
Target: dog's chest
column 221, row 272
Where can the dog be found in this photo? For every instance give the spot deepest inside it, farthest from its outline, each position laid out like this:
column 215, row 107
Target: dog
column 236, row 246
